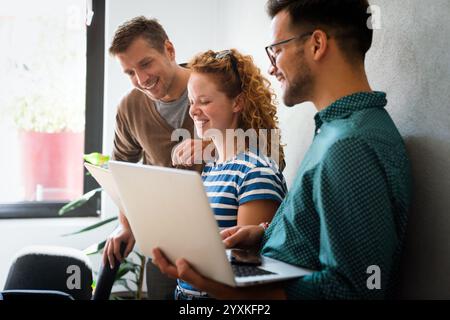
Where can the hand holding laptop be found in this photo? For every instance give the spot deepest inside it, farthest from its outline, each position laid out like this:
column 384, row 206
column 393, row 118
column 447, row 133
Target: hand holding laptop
column 184, row 271
column 245, row 237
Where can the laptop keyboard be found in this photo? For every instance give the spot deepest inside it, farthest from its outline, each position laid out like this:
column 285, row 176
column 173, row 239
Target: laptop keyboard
column 248, row 271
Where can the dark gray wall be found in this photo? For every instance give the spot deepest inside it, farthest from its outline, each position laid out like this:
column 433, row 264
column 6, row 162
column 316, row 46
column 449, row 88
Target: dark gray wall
column 410, row 60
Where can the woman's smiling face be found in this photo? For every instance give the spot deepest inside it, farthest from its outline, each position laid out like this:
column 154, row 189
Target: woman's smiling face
column 210, row 108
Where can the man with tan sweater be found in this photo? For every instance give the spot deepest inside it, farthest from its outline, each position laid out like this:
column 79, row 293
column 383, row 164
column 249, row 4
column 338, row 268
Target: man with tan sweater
column 148, row 115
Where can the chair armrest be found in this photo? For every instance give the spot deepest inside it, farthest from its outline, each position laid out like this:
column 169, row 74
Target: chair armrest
column 34, row 295
column 106, row 278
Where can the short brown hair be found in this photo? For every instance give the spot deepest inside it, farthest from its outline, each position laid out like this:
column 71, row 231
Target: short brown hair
column 149, row 29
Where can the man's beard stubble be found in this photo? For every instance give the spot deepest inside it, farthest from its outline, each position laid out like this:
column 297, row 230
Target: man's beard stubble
column 300, row 88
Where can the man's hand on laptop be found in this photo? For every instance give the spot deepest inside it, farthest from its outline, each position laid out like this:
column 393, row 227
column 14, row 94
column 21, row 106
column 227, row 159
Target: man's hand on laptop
column 244, row 237
column 111, row 252
column 184, row 271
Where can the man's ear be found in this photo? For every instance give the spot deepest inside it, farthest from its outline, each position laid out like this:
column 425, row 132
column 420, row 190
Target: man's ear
column 238, row 103
column 319, row 45
column 170, row 50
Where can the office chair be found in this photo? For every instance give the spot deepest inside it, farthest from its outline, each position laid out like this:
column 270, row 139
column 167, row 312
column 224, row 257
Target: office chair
column 56, row 273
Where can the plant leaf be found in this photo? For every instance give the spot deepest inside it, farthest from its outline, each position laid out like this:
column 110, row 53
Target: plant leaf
column 95, row 158
column 78, row 202
column 141, row 257
column 124, row 268
column 131, row 263
column 95, row 248
column 94, row 226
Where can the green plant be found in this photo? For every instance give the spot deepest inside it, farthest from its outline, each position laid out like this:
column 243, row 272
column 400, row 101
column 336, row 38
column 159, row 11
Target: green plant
column 49, row 113
column 129, row 265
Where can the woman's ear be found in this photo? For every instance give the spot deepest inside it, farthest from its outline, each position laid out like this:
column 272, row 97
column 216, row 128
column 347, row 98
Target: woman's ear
column 238, row 105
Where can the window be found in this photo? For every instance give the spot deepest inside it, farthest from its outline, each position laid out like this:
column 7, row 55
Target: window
column 51, row 106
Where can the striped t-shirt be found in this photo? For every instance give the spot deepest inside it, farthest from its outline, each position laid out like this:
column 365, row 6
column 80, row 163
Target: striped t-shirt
column 244, row 178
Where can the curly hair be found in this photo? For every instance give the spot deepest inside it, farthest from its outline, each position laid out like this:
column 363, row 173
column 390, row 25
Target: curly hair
column 236, row 74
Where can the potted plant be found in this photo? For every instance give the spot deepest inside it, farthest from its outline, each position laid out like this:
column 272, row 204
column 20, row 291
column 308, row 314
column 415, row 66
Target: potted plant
column 51, row 138
column 134, row 264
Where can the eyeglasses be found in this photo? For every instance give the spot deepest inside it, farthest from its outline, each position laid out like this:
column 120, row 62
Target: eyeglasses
column 271, row 51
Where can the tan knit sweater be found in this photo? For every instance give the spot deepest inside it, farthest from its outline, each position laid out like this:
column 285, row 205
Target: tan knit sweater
column 141, row 132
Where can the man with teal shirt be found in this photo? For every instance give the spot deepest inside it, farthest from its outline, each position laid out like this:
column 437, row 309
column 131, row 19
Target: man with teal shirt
column 349, row 202
column 345, row 215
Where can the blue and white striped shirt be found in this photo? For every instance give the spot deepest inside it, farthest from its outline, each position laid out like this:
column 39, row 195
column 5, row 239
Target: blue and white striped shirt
column 244, row 178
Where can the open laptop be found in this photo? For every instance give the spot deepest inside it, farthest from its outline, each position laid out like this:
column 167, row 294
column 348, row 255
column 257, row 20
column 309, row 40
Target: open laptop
column 169, row 209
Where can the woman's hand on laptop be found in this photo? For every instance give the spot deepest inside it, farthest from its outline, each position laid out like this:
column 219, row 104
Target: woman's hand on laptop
column 111, row 252
column 184, row 271
column 245, row 237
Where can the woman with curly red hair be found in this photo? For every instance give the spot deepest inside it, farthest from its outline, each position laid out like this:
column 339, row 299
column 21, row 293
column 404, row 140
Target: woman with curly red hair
column 232, row 105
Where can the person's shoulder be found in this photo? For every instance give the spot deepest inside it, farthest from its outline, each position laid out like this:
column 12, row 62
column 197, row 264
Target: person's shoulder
column 375, row 125
column 258, row 164
column 349, row 153
column 373, row 132
column 347, row 145
column 131, row 98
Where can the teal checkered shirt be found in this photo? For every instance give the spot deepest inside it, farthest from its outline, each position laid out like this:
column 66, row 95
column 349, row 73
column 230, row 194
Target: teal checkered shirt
column 347, row 208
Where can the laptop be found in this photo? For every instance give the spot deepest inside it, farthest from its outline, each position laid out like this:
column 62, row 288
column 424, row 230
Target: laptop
column 168, row 208
column 106, row 181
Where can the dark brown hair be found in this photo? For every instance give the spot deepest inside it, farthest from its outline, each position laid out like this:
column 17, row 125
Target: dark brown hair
column 345, row 20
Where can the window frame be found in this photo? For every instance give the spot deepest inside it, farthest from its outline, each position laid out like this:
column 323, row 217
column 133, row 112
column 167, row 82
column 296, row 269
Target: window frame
column 95, row 65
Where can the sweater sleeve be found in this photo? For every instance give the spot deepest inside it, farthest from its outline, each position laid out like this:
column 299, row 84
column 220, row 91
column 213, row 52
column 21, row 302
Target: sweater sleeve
column 125, row 148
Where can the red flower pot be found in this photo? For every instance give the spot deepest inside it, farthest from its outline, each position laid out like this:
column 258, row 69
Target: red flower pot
column 52, row 165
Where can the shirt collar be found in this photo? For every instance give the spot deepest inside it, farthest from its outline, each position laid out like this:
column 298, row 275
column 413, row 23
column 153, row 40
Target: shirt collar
column 345, row 106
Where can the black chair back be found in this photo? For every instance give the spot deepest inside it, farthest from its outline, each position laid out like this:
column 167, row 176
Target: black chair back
column 42, row 268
